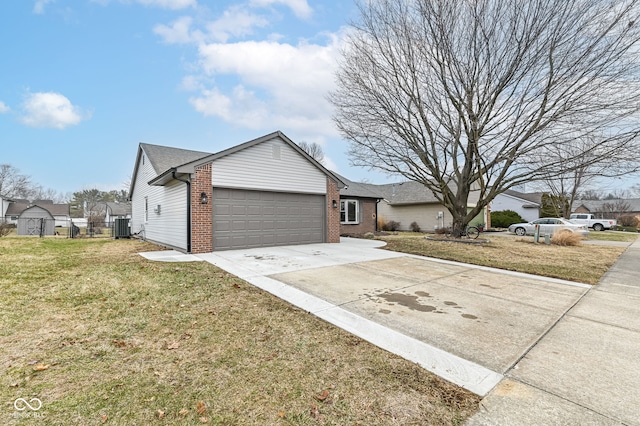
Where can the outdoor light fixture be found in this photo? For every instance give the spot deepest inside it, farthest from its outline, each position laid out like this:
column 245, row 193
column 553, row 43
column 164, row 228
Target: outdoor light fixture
column 335, row 204
column 203, row 198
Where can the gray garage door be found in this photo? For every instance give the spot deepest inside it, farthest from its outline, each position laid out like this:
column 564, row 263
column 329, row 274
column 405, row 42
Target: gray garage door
column 246, row 219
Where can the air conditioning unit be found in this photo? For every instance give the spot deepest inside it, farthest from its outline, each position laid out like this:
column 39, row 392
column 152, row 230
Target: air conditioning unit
column 121, row 228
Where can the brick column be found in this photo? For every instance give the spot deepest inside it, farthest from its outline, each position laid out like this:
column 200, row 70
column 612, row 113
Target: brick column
column 333, row 213
column 201, row 214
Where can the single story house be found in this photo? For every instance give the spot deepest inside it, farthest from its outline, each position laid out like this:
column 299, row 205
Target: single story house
column 115, row 211
column 4, row 205
column 526, row 205
column 265, row 192
column 408, row 202
column 358, row 207
column 604, row 209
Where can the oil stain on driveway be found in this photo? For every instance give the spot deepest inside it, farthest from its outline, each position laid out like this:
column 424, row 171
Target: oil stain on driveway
column 486, row 316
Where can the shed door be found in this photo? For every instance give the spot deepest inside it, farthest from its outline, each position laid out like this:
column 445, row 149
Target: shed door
column 248, row 219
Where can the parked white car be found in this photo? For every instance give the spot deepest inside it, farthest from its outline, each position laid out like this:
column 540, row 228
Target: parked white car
column 548, row 225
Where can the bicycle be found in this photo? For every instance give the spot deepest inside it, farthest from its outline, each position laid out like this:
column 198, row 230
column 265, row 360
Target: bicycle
column 471, row 232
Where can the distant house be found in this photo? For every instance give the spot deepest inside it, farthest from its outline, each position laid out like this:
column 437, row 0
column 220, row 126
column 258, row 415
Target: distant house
column 607, row 208
column 408, row 202
column 358, row 207
column 262, row 193
column 4, row 205
column 117, row 211
column 526, row 205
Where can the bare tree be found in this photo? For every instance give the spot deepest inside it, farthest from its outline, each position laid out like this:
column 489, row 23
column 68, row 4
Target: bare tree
column 464, row 95
column 574, row 173
column 13, row 183
column 314, row 150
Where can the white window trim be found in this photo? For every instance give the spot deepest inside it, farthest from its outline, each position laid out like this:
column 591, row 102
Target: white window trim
column 146, row 209
column 344, row 208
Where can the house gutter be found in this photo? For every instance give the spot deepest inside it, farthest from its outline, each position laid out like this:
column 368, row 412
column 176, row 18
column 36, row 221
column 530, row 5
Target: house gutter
column 188, row 182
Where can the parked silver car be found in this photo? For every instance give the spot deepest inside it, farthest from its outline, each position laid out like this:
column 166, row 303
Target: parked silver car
column 548, row 225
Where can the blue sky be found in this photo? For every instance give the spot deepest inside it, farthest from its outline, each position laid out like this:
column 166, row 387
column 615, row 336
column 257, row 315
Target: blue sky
column 82, row 82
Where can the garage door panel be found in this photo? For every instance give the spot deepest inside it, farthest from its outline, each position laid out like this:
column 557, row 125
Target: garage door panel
column 244, row 219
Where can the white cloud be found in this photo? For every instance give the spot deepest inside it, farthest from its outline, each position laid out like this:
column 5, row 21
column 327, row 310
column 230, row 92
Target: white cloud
column 49, row 109
column 169, row 4
column 299, row 7
column 235, row 22
column 4, row 108
column 164, row 4
column 178, row 32
column 280, row 85
column 38, row 7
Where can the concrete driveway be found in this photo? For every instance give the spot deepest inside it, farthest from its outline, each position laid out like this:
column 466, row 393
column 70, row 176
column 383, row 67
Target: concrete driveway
column 468, row 324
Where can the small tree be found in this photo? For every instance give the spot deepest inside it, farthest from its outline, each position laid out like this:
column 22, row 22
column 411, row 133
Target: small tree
column 553, row 205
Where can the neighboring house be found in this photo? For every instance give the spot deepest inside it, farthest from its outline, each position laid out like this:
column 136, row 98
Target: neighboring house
column 607, row 208
column 526, row 205
column 358, row 207
column 265, row 192
column 408, row 202
column 4, row 205
column 115, row 211
column 60, row 213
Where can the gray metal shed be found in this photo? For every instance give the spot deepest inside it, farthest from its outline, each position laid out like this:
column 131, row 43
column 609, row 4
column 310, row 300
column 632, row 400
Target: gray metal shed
column 36, row 220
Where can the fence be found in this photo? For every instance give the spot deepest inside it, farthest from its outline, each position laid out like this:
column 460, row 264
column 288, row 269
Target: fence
column 74, row 228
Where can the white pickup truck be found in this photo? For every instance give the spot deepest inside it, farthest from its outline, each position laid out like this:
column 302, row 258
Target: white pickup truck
column 591, row 221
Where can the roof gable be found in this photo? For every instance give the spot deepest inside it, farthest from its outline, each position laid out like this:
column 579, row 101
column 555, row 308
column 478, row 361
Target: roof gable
column 167, row 160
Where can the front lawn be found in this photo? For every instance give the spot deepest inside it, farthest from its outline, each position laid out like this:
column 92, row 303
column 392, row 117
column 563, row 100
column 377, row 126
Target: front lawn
column 102, row 336
column 583, row 263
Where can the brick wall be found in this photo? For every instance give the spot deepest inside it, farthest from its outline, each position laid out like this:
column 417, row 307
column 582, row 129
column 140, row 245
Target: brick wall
column 368, row 222
column 333, row 213
column 201, row 214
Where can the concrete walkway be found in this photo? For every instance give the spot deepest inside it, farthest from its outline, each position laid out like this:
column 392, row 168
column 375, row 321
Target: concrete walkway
column 586, row 369
column 542, row 351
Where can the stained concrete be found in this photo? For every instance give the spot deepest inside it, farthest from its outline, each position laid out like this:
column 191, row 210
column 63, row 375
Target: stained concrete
column 487, row 317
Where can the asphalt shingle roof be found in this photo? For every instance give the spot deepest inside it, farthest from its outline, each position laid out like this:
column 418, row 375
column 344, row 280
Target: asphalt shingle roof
column 15, row 209
column 163, row 158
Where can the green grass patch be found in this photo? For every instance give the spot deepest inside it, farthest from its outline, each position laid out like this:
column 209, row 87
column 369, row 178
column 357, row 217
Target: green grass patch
column 102, row 336
column 626, row 237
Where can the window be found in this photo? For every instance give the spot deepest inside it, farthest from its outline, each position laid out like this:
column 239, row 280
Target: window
column 146, row 209
column 349, row 212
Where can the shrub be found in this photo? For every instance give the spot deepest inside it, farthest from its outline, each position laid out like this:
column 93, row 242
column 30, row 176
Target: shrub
column 391, row 225
column 442, row 231
column 414, row 226
column 504, row 218
column 564, row 237
column 382, row 222
column 5, row 228
column 628, row 220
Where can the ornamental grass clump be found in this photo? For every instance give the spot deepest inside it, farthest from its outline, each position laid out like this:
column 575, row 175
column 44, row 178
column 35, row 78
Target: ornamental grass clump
column 564, row 237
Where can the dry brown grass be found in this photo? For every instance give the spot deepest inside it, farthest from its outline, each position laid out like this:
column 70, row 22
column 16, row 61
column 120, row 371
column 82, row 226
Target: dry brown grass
column 583, row 263
column 564, row 237
column 103, row 336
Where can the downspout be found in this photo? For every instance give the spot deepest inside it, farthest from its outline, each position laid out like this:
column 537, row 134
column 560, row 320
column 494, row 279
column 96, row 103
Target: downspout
column 188, row 182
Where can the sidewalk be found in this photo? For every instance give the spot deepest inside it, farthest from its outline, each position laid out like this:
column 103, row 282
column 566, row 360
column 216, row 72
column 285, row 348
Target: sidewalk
column 586, row 369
